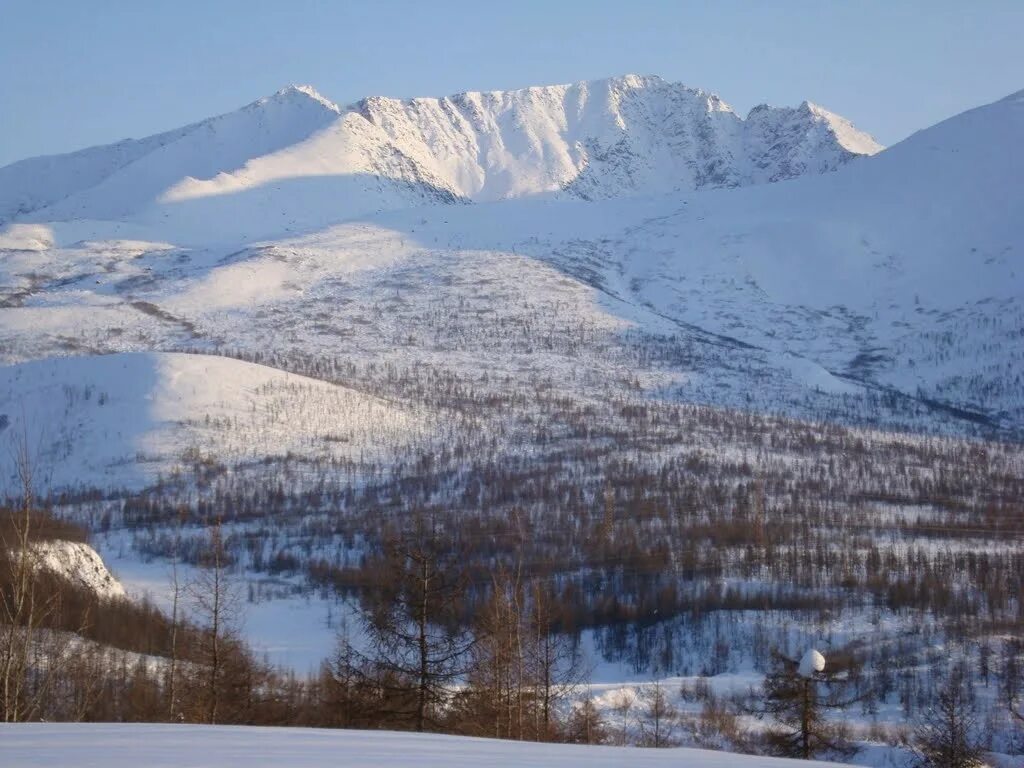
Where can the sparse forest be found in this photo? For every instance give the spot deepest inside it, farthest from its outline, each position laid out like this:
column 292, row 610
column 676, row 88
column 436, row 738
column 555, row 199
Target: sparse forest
column 477, row 573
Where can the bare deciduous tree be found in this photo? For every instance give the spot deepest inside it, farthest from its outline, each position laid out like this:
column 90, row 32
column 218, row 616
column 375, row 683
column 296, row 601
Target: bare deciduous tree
column 31, row 657
column 415, row 640
column 173, row 706
column 217, row 607
column 622, row 706
column 658, row 716
column 946, row 734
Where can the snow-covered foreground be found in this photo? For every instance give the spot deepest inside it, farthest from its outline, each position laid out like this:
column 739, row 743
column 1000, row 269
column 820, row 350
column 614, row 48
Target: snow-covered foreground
column 154, row 746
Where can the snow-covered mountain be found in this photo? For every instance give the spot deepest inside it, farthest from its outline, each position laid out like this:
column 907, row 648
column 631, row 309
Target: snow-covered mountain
column 287, row 152
column 115, row 178
column 297, row 150
column 897, row 274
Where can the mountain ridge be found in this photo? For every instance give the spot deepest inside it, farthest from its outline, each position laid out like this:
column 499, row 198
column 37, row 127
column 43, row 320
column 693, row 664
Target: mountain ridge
column 591, row 139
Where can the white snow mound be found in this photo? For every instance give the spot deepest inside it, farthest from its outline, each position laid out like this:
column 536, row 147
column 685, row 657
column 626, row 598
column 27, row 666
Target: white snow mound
column 811, row 663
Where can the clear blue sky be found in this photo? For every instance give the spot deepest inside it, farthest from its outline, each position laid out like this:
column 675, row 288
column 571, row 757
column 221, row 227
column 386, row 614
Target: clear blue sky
column 78, row 73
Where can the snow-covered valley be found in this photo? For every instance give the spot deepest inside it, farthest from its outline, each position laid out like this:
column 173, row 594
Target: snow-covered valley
column 726, row 385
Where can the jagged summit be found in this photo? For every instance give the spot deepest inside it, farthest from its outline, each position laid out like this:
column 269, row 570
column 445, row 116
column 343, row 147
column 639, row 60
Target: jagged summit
column 846, row 133
column 614, row 84
column 814, row 117
column 633, row 134
column 298, row 94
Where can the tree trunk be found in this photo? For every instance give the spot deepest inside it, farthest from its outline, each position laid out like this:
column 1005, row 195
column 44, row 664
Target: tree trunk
column 421, row 704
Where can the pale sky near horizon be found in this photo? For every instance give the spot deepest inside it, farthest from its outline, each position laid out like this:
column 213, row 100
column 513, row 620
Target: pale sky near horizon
column 75, row 74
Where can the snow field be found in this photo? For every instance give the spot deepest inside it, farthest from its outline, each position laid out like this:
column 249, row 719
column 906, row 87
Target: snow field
column 160, row 746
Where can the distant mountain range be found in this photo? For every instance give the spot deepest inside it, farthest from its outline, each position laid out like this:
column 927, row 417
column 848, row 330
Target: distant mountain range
column 591, row 140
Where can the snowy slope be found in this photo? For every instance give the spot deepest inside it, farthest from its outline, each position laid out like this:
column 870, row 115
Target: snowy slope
column 295, row 159
column 157, row 746
column 903, row 270
column 289, row 160
column 120, row 420
column 122, row 175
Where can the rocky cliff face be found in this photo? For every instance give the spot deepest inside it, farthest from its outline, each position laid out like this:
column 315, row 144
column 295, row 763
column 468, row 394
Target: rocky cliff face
column 608, row 138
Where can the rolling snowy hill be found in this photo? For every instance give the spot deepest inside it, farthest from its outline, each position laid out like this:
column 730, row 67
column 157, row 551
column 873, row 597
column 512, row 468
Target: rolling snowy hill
column 123, row 420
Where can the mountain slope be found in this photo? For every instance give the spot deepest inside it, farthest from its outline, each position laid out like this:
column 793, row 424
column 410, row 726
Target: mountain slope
column 904, row 270
column 599, row 139
column 896, row 276
column 110, row 181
